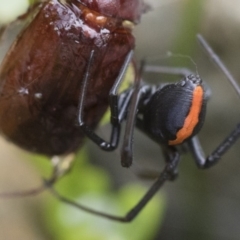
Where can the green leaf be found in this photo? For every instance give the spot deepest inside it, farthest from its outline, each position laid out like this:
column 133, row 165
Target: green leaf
column 91, row 186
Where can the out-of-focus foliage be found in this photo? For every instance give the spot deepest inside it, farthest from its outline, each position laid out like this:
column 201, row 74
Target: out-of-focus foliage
column 91, row 186
column 11, row 9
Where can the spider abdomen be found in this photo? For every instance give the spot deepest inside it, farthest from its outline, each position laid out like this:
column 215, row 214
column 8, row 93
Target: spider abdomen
column 176, row 112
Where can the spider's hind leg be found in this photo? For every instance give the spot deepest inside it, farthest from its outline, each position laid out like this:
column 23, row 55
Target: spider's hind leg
column 194, row 144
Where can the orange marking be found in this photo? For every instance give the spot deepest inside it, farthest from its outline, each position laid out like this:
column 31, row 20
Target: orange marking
column 191, row 119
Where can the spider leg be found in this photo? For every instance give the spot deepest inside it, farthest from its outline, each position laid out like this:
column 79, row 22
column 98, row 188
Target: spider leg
column 151, row 174
column 176, row 71
column 123, row 103
column 23, row 193
column 168, row 70
column 167, row 174
column 126, row 151
column 215, row 156
column 215, row 58
column 167, row 153
column 113, row 98
column 194, row 144
column 137, row 94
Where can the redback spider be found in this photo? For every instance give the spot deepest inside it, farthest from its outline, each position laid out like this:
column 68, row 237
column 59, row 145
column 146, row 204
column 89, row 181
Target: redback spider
column 171, row 115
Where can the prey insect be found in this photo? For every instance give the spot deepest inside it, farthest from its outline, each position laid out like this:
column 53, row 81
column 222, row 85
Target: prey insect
column 42, row 76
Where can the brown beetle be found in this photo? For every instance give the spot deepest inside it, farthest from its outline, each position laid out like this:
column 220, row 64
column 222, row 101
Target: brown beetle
column 42, row 75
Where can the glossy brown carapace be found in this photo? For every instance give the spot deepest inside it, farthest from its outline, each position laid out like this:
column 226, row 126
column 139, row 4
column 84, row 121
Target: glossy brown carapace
column 41, row 76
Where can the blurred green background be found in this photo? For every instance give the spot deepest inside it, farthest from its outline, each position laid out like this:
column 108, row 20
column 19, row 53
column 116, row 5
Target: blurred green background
column 199, row 204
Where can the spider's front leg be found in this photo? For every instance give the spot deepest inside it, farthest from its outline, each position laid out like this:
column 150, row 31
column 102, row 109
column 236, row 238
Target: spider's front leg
column 113, row 99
